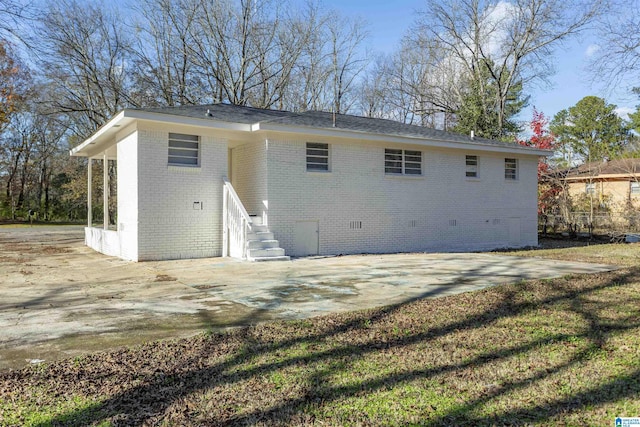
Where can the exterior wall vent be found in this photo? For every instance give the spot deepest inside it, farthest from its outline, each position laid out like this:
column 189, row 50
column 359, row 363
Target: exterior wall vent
column 355, row 225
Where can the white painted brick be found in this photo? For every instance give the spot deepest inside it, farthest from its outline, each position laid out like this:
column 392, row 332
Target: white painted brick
column 155, row 201
column 169, row 227
column 357, row 189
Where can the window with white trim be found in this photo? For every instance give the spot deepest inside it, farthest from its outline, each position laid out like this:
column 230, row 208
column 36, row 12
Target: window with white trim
column 471, row 166
column 635, row 187
column 317, row 157
column 511, row 169
column 184, row 150
column 590, row 188
column 402, row 162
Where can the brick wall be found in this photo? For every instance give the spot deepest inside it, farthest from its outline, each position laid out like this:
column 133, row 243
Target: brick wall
column 249, row 176
column 439, row 211
column 127, row 166
column 171, row 225
column 617, row 193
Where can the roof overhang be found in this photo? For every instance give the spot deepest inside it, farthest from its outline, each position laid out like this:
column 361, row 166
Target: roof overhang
column 604, row 177
column 105, row 137
column 418, row 140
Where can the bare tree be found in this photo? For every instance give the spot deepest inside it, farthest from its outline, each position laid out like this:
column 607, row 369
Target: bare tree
column 346, row 37
column 164, row 71
column 84, row 56
column 512, row 41
column 375, row 89
column 18, row 147
column 227, row 50
column 14, row 17
column 617, row 58
column 308, row 82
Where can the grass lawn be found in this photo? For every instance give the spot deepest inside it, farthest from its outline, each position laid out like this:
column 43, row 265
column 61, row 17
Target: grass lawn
column 552, row 352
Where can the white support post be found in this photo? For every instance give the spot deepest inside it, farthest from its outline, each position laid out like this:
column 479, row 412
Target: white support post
column 105, row 189
column 89, row 196
column 225, row 232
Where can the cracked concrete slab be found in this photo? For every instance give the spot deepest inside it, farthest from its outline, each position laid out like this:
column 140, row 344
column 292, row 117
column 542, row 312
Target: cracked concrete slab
column 61, row 299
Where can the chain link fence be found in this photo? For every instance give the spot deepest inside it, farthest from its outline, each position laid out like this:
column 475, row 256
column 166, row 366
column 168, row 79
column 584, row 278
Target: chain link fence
column 583, row 224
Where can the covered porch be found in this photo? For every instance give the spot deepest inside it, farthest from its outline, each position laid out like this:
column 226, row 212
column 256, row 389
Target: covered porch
column 103, row 235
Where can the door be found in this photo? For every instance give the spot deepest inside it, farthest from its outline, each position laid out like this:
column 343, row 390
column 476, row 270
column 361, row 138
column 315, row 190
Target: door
column 514, row 232
column 305, row 238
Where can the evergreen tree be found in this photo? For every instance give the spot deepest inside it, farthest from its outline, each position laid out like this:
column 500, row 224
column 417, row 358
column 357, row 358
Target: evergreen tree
column 480, row 107
column 590, row 130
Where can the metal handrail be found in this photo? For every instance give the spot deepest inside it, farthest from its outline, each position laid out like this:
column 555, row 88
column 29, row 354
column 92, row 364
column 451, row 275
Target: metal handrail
column 235, row 221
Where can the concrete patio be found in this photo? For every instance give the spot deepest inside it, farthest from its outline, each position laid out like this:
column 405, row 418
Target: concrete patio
column 61, row 299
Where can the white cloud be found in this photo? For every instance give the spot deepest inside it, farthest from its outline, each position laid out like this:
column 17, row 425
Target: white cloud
column 623, row 112
column 591, row 50
column 497, row 20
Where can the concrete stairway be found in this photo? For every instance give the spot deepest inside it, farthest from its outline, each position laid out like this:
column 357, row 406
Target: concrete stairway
column 261, row 244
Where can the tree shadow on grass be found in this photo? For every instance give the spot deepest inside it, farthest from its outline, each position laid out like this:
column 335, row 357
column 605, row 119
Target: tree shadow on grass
column 149, row 401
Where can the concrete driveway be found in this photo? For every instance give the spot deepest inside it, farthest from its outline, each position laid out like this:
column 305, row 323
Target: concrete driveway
column 61, row 299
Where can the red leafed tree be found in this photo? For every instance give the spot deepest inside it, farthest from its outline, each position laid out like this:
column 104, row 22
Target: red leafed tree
column 548, row 189
column 541, row 138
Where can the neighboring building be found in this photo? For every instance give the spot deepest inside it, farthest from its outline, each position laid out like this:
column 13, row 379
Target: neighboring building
column 614, row 184
column 310, row 183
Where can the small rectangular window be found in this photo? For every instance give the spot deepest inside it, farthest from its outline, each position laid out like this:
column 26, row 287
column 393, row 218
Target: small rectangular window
column 511, row 169
column 590, row 188
column 392, row 161
column 184, row 150
column 317, row 157
column 635, row 188
column 402, row 162
column 471, row 166
column 412, row 162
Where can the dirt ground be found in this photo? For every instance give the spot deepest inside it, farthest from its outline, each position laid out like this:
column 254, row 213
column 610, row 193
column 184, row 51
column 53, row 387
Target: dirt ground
column 61, row 299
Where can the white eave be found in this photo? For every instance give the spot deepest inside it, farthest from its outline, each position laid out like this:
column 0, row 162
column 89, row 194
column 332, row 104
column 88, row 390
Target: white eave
column 105, row 137
column 401, row 139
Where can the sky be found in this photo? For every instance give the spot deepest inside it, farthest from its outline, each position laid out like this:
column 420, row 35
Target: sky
column 389, row 20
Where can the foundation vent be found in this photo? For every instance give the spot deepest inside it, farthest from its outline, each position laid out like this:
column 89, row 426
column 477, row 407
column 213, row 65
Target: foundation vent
column 453, row 223
column 413, row 223
column 355, row 225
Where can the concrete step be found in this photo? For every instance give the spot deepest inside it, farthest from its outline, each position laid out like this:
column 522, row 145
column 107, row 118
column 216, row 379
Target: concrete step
column 268, row 252
column 259, row 228
column 256, row 219
column 270, row 258
column 260, row 235
column 262, row 244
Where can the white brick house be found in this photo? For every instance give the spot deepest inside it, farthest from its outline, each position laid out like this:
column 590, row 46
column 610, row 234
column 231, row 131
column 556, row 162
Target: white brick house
column 304, row 184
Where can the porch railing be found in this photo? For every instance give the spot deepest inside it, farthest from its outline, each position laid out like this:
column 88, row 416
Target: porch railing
column 236, row 223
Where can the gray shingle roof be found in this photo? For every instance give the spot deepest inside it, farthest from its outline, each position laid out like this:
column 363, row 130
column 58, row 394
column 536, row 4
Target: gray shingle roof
column 318, row 120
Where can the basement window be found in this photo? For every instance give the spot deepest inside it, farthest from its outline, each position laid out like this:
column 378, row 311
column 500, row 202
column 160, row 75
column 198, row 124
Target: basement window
column 184, row 150
column 317, row 157
column 402, row 162
column 511, row 169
